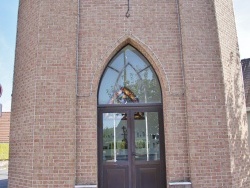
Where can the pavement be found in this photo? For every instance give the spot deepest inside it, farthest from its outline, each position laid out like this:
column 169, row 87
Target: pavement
column 3, row 178
column 3, row 174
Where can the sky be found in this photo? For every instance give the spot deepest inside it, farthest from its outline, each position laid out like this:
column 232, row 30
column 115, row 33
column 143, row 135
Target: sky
column 8, row 23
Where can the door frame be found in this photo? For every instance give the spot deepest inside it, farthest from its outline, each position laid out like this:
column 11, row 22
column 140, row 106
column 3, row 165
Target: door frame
column 129, row 108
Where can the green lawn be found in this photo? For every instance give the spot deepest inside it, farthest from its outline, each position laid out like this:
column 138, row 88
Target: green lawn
column 4, row 151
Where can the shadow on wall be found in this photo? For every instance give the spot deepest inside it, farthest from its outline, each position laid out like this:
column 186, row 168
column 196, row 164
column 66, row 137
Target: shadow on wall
column 237, row 124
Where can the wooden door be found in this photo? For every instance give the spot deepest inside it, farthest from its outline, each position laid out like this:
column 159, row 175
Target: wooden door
column 131, row 149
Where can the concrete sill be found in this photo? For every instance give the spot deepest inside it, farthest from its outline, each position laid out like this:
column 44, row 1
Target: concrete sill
column 180, row 183
column 85, row 186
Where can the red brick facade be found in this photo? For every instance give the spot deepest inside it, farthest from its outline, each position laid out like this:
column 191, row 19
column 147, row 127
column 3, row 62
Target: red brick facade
column 4, row 127
column 192, row 46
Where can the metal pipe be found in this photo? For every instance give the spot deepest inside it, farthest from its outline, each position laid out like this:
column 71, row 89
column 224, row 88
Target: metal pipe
column 146, row 121
column 184, row 79
column 77, row 54
column 77, row 45
column 114, row 139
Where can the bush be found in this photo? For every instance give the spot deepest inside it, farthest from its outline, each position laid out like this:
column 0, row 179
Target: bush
column 4, row 151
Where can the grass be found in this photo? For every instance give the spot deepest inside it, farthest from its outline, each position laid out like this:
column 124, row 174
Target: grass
column 4, row 151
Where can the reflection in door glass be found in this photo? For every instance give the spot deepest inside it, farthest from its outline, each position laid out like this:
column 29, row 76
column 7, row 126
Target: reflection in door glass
column 115, row 143
column 147, row 145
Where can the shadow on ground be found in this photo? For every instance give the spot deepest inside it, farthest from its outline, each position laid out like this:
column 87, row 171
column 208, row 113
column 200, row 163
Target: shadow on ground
column 4, row 183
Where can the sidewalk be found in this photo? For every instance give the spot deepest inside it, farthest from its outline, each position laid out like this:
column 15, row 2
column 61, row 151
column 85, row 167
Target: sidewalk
column 3, row 174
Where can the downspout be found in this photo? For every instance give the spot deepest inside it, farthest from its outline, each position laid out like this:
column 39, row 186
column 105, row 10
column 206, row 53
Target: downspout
column 184, row 82
column 77, row 65
column 77, row 95
column 77, row 54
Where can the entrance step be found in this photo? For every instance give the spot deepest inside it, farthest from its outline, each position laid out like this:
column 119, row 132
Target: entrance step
column 180, row 184
column 85, row 186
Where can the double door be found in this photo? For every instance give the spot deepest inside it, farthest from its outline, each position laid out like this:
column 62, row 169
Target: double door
column 131, row 147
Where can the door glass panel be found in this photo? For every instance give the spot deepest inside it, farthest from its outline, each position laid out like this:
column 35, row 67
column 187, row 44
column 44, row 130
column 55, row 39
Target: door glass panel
column 146, row 130
column 115, row 143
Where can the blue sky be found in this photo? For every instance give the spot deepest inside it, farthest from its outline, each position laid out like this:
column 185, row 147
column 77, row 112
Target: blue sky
column 242, row 18
column 8, row 23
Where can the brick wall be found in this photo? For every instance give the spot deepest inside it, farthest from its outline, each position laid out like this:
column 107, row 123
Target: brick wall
column 57, row 119
column 4, row 127
column 153, row 29
column 42, row 150
column 23, row 98
column 246, row 78
column 207, row 126
column 234, row 95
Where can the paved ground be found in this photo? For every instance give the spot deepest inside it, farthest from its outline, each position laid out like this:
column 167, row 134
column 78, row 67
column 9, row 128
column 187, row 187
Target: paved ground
column 3, row 178
column 3, row 174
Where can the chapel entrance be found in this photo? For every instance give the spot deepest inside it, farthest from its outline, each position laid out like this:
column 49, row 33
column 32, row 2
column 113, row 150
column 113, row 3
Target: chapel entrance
column 132, row 154
column 130, row 124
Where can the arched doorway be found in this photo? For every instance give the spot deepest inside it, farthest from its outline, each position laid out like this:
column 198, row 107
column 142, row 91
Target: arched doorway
column 130, row 124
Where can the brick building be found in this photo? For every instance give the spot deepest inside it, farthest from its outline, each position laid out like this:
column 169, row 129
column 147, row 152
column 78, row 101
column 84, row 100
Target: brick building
column 246, row 77
column 4, row 137
column 119, row 93
column 4, row 127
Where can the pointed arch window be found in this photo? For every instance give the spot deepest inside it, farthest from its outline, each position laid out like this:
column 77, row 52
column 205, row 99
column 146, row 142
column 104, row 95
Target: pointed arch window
column 129, row 78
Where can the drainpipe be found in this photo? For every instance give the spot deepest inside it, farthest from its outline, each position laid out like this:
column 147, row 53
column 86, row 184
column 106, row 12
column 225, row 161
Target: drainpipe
column 77, row 65
column 184, row 84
